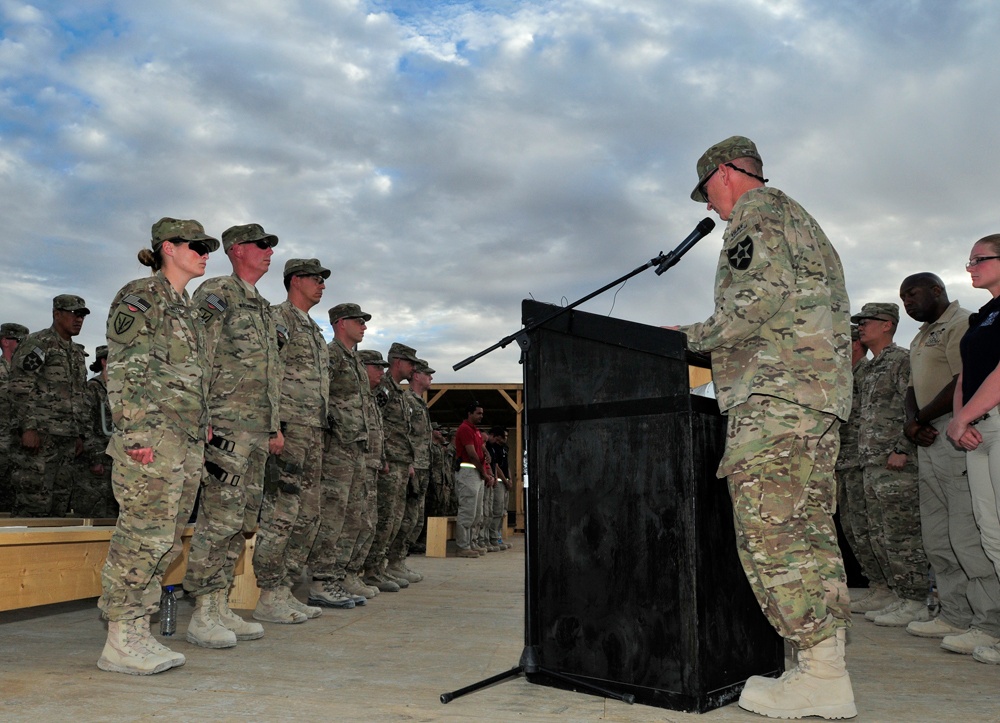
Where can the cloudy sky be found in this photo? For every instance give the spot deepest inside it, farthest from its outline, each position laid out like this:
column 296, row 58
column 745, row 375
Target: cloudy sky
column 448, row 159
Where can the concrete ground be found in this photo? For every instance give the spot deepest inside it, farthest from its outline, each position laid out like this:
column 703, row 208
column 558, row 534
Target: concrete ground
column 391, row 660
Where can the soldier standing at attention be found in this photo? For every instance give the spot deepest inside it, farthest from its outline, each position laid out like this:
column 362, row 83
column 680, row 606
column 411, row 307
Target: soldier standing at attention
column 292, row 501
column 343, row 460
column 93, row 495
column 158, row 388
column 781, row 360
column 244, row 392
column 889, row 465
column 49, row 410
column 392, row 485
column 352, row 554
column 10, row 336
column 416, row 491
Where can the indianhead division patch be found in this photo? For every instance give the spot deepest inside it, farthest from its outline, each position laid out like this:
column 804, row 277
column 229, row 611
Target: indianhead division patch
column 381, row 397
column 741, row 254
column 282, row 331
column 34, row 360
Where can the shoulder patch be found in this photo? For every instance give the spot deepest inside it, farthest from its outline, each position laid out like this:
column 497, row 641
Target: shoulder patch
column 136, row 303
column 381, row 397
column 34, row 359
column 213, row 305
column 282, row 331
column 741, row 254
column 123, row 322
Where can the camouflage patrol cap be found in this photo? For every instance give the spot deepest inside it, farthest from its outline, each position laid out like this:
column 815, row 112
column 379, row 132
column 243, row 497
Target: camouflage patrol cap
column 305, row 267
column 372, row 357
column 172, row 229
column 722, row 152
column 69, row 302
column 247, row 233
column 422, row 367
column 102, row 353
column 348, row 311
column 401, row 351
column 878, row 310
column 10, row 330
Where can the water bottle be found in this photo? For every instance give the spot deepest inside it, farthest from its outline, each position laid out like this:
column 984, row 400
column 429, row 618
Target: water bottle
column 168, row 611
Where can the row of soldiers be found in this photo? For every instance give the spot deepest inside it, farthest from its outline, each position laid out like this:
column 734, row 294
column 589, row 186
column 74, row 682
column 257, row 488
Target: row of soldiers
column 54, row 422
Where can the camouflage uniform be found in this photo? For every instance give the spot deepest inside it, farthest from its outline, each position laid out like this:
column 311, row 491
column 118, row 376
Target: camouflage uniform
column 93, row 495
column 157, row 389
column 399, row 453
column 439, row 489
column 244, row 393
column 892, row 498
column 416, row 490
column 780, row 344
column 449, row 498
column 851, row 486
column 292, row 510
column 18, row 333
column 343, row 466
column 374, row 463
column 46, row 395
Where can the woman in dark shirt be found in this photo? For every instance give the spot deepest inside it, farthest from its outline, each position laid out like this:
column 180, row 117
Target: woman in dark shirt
column 975, row 426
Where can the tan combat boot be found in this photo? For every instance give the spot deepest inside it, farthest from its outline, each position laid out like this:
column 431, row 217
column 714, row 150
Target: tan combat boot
column 205, row 628
column 272, row 607
column 353, row 585
column 124, row 651
column 818, row 686
column 154, row 646
column 244, row 630
column 310, row 611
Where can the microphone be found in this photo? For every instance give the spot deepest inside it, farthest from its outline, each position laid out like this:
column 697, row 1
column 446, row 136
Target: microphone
column 703, row 228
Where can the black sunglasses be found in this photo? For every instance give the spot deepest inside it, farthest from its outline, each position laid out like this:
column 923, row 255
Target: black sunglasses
column 199, row 247
column 260, row 243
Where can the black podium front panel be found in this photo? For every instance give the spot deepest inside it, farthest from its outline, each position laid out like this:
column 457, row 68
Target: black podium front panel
column 633, row 579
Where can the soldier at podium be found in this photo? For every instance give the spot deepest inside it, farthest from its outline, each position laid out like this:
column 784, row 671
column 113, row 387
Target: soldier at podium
column 781, row 359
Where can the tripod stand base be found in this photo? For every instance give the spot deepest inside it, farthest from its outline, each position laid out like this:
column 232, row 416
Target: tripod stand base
column 529, row 665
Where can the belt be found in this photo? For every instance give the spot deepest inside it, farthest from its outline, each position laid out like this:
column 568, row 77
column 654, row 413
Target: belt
column 467, row 464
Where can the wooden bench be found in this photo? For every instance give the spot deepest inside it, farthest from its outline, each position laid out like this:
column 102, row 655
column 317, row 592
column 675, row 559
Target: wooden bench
column 49, row 560
column 439, row 531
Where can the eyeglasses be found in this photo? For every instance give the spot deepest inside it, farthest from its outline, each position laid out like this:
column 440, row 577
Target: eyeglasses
column 359, row 319
column 862, row 322
column 976, row 260
column 199, row 247
column 78, row 313
column 705, row 182
column 259, row 243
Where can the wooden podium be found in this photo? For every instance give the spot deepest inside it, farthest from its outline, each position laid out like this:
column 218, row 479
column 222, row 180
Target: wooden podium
column 633, row 581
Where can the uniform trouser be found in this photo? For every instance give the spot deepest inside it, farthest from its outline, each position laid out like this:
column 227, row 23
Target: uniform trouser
column 499, row 509
column 155, row 502
column 352, row 556
column 470, row 488
column 854, row 519
column 984, row 484
column 6, row 486
column 228, row 508
column 343, row 485
column 43, row 481
column 483, row 535
column 779, row 461
column 391, row 497
column 92, row 493
column 282, row 512
column 893, row 502
column 967, row 583
column 413, row 516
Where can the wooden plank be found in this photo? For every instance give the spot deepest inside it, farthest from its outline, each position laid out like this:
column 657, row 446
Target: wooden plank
column 245, row 593
column 48, row 565
column 439, row 531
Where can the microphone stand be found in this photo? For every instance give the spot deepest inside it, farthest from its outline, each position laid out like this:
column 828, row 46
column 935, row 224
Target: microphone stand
column 661, row 262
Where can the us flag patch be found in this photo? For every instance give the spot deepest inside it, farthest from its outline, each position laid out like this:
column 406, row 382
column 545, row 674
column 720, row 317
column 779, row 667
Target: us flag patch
column 136, row 304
